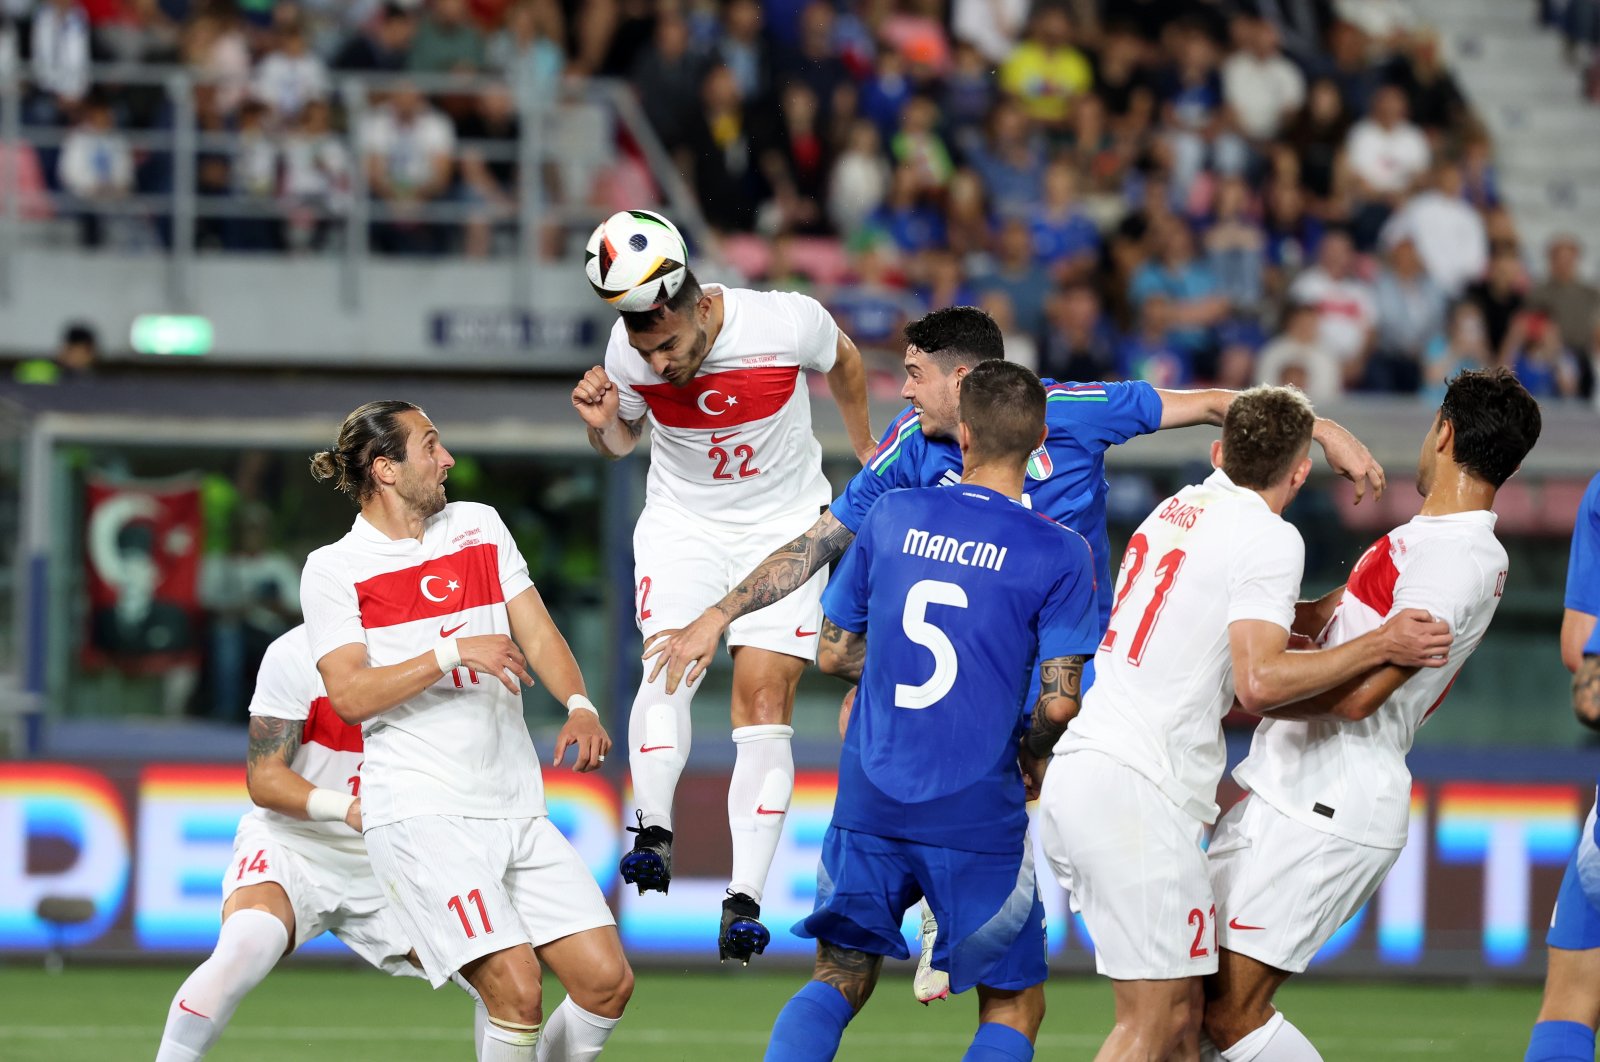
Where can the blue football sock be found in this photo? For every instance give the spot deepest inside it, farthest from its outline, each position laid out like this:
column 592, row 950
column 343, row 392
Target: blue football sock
column 1560, row 1041
column 998, row 1043
column 810, row 1025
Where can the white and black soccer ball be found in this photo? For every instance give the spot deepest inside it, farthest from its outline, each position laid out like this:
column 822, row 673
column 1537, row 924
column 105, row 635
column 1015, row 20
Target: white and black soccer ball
column 636, row 260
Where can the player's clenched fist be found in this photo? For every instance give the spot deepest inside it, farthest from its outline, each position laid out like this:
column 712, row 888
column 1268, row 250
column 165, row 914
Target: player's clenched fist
column 497, row 655
column 595, row 398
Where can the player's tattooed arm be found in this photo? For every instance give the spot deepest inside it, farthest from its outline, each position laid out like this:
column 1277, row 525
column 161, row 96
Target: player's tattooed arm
column 273, row 784
column 853, row 973
column 618, row 440
column 841, row 653
column 1586, row 692
column 788, row 568
column 1060, row 697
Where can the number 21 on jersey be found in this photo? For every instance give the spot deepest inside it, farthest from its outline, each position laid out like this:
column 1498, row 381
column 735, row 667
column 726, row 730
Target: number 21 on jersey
column 1165, row 574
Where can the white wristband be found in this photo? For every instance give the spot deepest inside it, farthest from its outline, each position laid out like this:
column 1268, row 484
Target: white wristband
column 578, row 700
column 328, row 805
column 448, row 654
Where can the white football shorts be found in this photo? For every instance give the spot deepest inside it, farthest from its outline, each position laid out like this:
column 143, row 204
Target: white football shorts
column 1283, row 889
column 329, row 887
column 682, row 566
column 1132, row 859
column 463, row 888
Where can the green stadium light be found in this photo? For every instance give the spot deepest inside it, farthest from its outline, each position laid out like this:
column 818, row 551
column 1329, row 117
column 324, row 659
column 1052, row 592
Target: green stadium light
column 168, row 333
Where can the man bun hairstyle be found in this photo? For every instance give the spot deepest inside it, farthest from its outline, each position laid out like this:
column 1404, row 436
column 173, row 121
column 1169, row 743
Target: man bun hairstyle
column 1496, row 422
column 368, row 433
column 1002, row 405
column 1264, row 434
column 957, row 335
column 682, row 302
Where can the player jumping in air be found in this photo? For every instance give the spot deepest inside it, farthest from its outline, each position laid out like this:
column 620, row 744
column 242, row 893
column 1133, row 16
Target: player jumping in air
column 734, row 471
column 1571, row 1007
column 419, row 619
column 299, row 865
column 1065, row 481
column 1330, row 796
column 940, row 609
column 1203, row 609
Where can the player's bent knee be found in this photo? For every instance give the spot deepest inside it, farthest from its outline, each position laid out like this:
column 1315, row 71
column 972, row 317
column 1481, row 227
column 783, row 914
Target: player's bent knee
column 606, row 989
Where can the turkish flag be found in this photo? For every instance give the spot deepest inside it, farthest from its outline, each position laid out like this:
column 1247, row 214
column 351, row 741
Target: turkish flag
column 142, row 545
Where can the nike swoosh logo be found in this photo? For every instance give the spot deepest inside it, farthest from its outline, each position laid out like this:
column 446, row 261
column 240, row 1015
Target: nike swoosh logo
column 191, row 1010
column 798, row 633
column 655, row 748
column 1233, row 923
column 447, row 633
column 769, row 811
column 724, row 437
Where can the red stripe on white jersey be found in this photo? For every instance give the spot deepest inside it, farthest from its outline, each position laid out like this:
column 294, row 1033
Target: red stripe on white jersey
column 323, row 727
column 444, row 586
column 721, row 399
column 1435, row 705
column 1372, row 581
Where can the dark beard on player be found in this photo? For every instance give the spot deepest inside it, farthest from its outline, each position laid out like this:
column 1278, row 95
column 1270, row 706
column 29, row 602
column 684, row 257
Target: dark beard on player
column 425, row 502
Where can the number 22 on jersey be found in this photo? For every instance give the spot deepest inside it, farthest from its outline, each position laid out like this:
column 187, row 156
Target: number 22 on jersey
column 1165, row 574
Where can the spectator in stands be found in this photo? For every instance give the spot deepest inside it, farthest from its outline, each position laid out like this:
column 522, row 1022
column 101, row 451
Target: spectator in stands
column 942, row 281
column 906, row 218
column 1570, row 301
column 1411, row 313
column 1350, row 67
column 1347, row 311
column 1293, row 235
column 992, row 27
column 1387, row 155
column 668, row 79
column 216, row 49
column 968, row 94
column 796, row 161
column 1448, row 232
column 76, row 358
column 718, row 158
column 60, row 58
column 1500, row 295
column 253, row 594
column 1014, row 274
column 1480, row 183
column 1045, row 73
column 530, row 50
column 448, row 41
column 1194, row 303
column 489, row 136
column 968, row 225
column 1236, row 247
column 385, row 47
column 1079, row 343
column 1010, row 160
column 1300, row 356
column 1147, row 353
column 870, row 306
column 1124, row 85
column 743, row 49
column 1065, row 241
column 96, row 168
column 1544, row 364
column 1317, row 135
column 1262, row 88
column 253, row 170
column 816, row 62
column 1193, row 115
column 1433, row 98
column 316, row 178
column 291, row 75
column 917, row 143
column 860, row 179
column 1020, row 347
column 408, row 149
column 147, row 34
column 885, row 93
column 1463, row 347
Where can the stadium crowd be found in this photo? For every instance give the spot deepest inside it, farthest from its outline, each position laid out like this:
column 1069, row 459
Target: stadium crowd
column 1181, row 191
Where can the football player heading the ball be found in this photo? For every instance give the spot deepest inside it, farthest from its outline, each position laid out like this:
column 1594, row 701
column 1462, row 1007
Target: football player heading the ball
column 735, row 472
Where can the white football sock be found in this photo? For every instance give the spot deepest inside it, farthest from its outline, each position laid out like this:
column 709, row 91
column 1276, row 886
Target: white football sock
column 658, row 747
column 480, row 1014
column 1276, row 1041
column 572, row 1034
column 249, row 945
column 758, row 801
column 509, row 1042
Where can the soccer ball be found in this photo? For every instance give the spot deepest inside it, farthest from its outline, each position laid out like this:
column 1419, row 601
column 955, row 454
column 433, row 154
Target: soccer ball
column 636, row 260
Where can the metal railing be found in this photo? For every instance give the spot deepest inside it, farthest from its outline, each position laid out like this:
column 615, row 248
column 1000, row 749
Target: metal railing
column 574, row 135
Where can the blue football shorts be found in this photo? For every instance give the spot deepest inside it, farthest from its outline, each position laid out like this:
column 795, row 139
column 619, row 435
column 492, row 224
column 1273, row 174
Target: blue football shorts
column 1575, row 925
column 991, row 922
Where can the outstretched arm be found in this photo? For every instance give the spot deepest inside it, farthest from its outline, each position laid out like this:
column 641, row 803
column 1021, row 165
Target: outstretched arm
column 847, row 381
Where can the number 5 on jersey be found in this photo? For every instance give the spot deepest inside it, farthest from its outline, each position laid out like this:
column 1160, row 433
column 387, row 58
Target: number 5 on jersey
column 1166, row 573
column 914, row 620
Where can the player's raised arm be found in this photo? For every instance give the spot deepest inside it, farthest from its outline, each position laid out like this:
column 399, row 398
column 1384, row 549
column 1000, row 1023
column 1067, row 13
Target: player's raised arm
column 1345, row 454
column 847, row 381
column 596, row 400
column 550, row 658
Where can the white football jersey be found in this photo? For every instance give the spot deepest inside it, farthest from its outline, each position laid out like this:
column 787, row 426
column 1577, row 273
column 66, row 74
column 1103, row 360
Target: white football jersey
column 1210, row 555
column 329, row 757
column 735, row 445
column 460, row 747
column 1350, row 778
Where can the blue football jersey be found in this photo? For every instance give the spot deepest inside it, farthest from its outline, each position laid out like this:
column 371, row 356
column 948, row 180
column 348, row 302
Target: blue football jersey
column 1066, row 476
column 958, row 591
column 1583, row 565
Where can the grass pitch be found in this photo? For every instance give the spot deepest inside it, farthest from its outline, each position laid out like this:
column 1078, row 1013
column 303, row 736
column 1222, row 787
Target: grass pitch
column 306, row 1014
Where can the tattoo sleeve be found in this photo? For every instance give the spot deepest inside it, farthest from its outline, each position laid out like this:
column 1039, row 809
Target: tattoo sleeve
column 1586, row 692
column 1060, row 697
column 272, row 739
column 788, row 567
column 853, row 973
column 846, row 650
column 597, row 438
